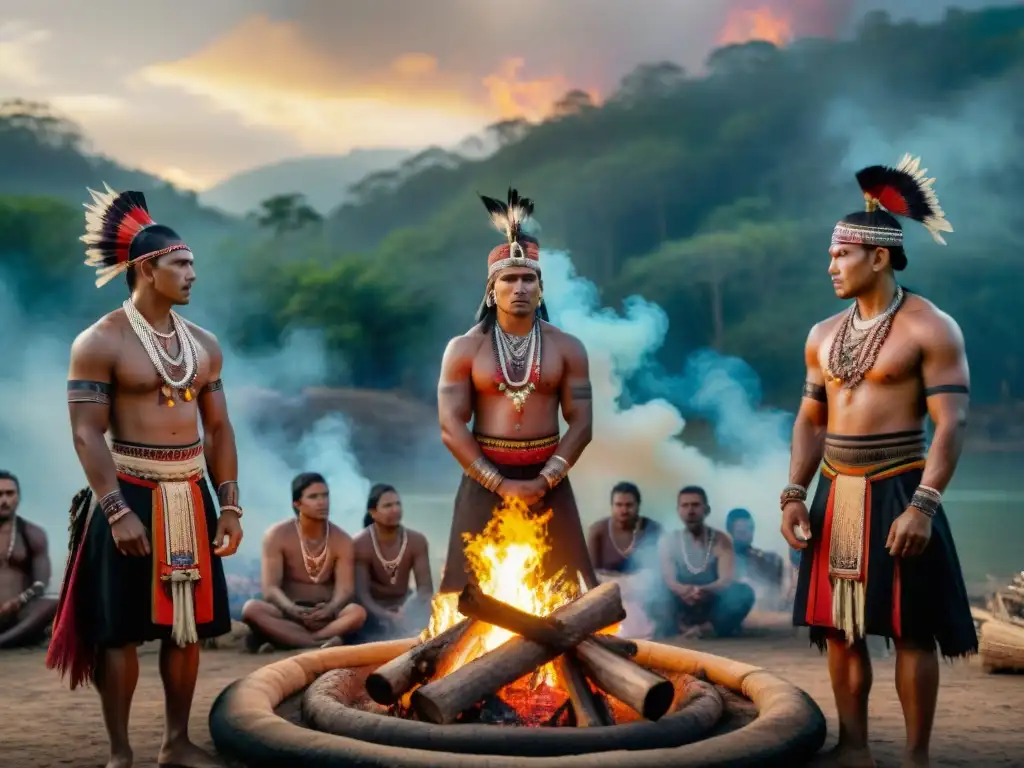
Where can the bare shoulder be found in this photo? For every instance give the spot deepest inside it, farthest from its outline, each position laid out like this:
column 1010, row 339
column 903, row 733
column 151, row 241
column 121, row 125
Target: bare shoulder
column 275, row 534
column 929, row 324
column 206, row 339
column 722, row 540
column 361, row 543
column 467, row 343
column 339, row 536
column 102, row 339
column 565, row 341
column 598, row 528
column 822, row 330
column 416, row 539
column 35, row 534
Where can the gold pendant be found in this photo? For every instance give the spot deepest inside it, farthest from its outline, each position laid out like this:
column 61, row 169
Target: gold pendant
column 188, row 394
column 519, row 396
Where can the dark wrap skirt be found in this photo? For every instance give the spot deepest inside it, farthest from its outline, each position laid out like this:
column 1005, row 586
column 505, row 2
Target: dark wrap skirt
column 110, row 600
column 922, row 599
column 475, row 506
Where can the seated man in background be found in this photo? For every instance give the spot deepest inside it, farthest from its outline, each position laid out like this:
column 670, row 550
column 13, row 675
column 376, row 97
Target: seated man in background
column 763, row 571
column 308, row 572
column 623, row 548
column 25, row 572
column 698, row 565
column 387, row 556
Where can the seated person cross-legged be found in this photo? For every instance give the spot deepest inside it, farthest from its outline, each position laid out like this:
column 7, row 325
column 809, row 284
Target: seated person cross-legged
column 697, row 565
column 307, row 577
column 388, row 555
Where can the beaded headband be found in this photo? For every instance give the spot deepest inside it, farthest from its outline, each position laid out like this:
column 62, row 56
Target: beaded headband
column 905, row 191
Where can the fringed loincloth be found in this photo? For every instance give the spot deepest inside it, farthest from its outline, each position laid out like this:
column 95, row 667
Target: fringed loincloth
column 182, row 587
column 840, row 570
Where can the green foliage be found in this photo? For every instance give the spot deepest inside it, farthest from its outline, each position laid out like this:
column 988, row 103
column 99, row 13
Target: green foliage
column 713, row 195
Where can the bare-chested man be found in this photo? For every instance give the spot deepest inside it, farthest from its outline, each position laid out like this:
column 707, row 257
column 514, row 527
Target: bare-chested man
column 509, row 375
column 388, row 555
column 145, row 559
column 878, row 556
column 698, row 565
column 24, row 572
column 307, row 576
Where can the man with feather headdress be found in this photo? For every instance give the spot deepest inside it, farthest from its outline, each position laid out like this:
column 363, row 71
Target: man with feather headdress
column 878, row 555
column 146, row 540
column 510, row 375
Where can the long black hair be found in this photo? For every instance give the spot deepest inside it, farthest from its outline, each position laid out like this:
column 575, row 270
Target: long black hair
column 881, row 219
column 373, row 500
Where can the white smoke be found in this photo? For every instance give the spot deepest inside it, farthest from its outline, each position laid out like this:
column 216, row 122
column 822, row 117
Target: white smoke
column 640, row 443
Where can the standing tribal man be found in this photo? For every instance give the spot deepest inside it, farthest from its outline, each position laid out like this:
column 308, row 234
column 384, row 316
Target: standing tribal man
column 497, row 377
column 148, row 565
column 879, row 556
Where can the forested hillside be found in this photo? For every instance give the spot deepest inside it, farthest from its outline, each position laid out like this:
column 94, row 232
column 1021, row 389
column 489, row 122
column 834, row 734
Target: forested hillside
column 712, row 194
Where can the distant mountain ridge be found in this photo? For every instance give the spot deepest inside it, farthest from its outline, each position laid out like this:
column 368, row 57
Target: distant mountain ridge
column 323, row 179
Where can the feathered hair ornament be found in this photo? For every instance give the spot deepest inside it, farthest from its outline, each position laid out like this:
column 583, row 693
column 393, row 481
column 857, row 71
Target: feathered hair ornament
column 906, row 191
column 113, row 222
column 509, row 218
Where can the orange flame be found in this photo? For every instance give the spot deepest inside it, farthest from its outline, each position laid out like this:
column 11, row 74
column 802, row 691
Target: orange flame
column 507, row 560
column 761, row 23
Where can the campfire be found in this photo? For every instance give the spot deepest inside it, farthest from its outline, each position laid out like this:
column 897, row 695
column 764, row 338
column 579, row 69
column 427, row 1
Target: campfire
column 517, row 648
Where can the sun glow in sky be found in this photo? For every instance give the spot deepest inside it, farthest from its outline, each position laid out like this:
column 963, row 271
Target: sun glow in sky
column 234, row 84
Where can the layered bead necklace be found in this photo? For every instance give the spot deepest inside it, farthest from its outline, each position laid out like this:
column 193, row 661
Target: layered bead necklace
column 179, row 371
column 390, row 566
column 518, row 359
column 632, row 542
column 857, row 343
column 13, row 520
column 315, row 565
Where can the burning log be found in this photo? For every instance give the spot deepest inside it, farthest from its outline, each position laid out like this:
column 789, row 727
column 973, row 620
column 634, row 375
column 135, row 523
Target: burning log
column 392, row 680
column 589, row 712
column 441, row 701
column 648, row 693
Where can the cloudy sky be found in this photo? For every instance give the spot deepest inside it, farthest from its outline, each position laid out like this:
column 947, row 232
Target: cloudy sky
column 196, row 90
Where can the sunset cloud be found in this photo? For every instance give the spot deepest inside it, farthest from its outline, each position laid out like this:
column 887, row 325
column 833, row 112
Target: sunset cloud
column 20, row 61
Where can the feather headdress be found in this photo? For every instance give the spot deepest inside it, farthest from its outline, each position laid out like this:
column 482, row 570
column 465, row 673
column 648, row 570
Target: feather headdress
column 508, row 218
column 906, row 191
column 113, row 222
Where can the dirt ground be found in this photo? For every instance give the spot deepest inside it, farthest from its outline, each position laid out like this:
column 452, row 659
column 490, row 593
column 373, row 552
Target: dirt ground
column 44, row 725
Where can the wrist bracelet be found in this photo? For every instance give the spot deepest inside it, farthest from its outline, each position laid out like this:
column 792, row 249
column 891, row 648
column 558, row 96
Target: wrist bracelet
column 226, row 482
column 113, row 518
column 555, row 470
column 114, row 506
column 485, row 473
column 792, row 492
column 231, row 508
column 31, row 593
column 926, row 500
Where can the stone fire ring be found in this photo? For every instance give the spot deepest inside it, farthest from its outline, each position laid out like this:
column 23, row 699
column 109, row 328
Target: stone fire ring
column 788, row 730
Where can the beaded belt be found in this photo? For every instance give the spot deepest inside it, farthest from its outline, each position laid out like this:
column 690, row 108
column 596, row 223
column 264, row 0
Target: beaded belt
column 869, row 450
column 520, row 453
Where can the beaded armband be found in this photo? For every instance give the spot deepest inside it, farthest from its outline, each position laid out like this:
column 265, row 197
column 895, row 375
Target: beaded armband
column 555, row 470
column 792, row 492
column 926, row 500
column 114, row 506
column 485, row 473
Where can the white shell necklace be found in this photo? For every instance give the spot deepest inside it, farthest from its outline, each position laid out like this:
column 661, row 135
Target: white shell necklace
column 707, row 553
column 187, row 357
column 391, row 566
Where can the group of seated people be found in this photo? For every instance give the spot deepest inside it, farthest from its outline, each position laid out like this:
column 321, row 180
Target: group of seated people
column 319, row 586
column 322, row 587
column 693, row 581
